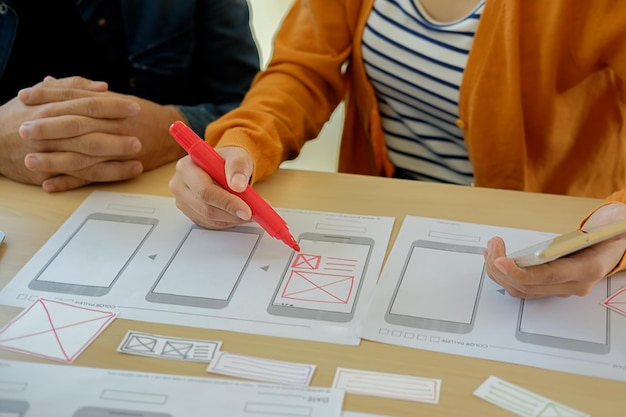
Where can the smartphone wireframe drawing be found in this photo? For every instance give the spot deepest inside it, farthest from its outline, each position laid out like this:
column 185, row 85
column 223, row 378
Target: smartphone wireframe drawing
column 324, row 279
column 573, row 323
column 111, row 412
column 566, row 244
column 92, row 259
column 206, row 267
column 13, row 408
column 438, row 288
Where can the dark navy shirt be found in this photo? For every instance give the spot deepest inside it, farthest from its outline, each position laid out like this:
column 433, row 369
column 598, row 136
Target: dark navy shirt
column 198, row 55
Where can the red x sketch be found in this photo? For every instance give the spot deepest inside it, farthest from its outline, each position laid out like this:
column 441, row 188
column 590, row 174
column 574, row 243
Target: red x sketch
column 319, row 287
column 617, row 301
column 305, row 261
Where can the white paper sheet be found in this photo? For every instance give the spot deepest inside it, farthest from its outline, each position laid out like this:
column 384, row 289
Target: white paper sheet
column 54, row 330
column 140, row 256
column 433, row 294
column 31, row 389
column 522, row 402
column 166, row 347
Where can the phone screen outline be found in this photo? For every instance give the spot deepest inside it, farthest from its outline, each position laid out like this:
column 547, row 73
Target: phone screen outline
column 203, row 302
column 568, row 343
column 280, row 309
column 429, row 323
column 92, row 290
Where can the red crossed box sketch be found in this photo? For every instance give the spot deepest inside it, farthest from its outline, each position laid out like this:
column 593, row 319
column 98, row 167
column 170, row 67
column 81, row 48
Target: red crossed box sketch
column 320, row 279
column 617, row 301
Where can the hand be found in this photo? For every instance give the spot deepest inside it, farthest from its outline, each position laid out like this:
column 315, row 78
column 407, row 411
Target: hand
column 14, row 148
column 92, row 138
column 575, row 274
column 203, row 200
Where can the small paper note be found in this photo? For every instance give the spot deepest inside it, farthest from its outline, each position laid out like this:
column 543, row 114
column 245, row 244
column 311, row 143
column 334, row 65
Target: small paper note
column 617, row 301
column 259, row 369
column 379, row 384
column 522, row 402
column 54, row 330
column 145, row 344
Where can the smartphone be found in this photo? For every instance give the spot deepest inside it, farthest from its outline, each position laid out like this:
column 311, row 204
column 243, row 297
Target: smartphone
column 110, row 412
column 1, row 236
column 438, row 288
column 324, row 279
column 13, row 408
column 572, row 323
column 566, row 244
column 91, row 260
column 206, row 267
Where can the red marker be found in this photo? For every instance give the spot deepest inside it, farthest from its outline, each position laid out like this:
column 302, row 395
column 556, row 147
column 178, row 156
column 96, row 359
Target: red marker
column 206, row 158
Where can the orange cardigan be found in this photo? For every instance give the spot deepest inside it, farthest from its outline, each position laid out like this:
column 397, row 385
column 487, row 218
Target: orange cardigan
column 542, row 103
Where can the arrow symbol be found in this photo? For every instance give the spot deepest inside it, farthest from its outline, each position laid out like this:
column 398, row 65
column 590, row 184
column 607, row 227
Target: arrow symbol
column 265, row 268
column 153, row 257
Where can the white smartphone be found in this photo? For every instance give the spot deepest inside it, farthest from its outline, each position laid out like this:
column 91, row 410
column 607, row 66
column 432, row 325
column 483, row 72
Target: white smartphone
column 566, row 244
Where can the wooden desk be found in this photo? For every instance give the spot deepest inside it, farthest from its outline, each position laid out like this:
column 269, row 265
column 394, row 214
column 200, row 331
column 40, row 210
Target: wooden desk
column 29, row 217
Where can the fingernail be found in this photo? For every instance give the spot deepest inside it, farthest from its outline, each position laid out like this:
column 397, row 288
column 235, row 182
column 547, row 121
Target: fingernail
column 242, row 215
column 499, row 266
column 137, row 169
column 136, row 145
column 31, row 161
column 133, row 108
column 239, row 182
column 24, row 93
column 24, row 130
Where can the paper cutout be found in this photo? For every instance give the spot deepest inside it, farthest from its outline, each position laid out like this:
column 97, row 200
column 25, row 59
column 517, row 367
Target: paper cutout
column 617, row 301
column 54, row 330
column 380, row 384
column 144, row 344
column 522, row 402
column 261, row 369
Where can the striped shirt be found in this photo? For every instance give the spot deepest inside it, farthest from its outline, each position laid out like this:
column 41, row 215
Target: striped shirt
column 416, row 66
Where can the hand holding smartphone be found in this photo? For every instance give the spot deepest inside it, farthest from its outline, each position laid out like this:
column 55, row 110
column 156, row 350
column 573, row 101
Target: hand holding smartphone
column 566, row 244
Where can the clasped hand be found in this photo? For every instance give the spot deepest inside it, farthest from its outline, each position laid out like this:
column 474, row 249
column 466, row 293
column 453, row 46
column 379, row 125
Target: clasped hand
column 66, row 133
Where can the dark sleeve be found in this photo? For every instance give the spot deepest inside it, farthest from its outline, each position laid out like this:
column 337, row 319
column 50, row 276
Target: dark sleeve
column 226, row 59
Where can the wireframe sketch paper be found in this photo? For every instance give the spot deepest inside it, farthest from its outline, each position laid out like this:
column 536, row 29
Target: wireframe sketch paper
column 54, row 330
column 33, row 389
column 433, row 294
column 140, row 256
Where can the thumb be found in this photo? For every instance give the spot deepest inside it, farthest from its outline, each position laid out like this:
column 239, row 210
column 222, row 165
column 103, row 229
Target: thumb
column 238, row 167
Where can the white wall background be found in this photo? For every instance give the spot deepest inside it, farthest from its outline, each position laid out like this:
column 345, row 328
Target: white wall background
column 320, row 154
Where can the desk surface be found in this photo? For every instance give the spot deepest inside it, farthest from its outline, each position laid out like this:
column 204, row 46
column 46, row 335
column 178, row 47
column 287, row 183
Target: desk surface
column 29, row 217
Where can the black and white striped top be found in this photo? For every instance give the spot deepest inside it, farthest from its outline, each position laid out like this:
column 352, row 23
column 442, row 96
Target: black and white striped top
column 416, row 66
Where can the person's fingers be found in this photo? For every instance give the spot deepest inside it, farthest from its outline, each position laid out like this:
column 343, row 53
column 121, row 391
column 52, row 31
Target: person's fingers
column 74, row 82
column 90, row 144
column 238, row 167
column 205, row 202
column 63, row 183
column 92, row 169
column 572, row 275
column 99, row 106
